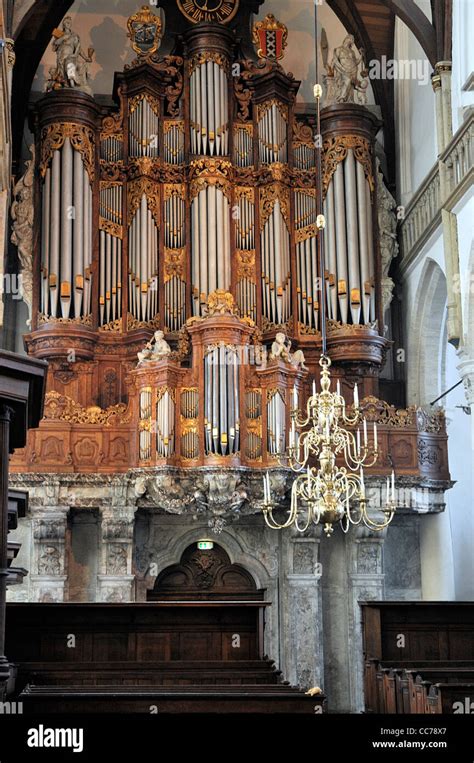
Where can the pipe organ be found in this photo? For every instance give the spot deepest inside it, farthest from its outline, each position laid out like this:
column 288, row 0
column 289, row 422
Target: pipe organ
column 190, row 208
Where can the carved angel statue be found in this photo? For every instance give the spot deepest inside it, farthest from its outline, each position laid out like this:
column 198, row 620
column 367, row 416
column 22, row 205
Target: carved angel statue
column 347, row 76
column 156, row 349
column 72, row 64
column 281, row 348
column 387, row 225
column 22, row 212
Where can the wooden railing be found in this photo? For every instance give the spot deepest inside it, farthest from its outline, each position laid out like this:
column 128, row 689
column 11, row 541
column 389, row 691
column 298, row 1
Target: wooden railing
column 444, row 184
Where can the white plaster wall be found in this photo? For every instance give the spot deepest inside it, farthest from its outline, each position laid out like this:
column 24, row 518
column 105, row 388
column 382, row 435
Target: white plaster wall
column 463, row 58
column 447, row 541
column 97, row 24
column 414, row 116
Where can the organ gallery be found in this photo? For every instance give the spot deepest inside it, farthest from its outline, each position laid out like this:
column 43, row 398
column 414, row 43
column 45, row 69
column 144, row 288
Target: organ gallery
column 210, row 261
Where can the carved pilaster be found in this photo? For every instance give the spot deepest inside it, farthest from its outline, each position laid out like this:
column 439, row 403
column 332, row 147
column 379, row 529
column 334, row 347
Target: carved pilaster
column 49, row 550
column 115, row 578
column 365, row 582
column 304, row 661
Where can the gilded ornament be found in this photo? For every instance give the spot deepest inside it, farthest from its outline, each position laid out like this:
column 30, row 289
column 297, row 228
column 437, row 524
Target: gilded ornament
column 144, row 32
column 268, row 196
column 136, row 189
column 64, row 408
column 270, row 37
column 81, row 139
column 335, row 151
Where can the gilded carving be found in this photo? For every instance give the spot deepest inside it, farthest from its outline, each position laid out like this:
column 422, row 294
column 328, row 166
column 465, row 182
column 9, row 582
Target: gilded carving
column 153, row 101
column 174, row 263
column 302, row 134
column 115, row 326
column 204, row 57
column 144, row 32
column 268, row 196
column 246, row 264
column 220, row 302
column 269, row 37
column 134, row 323
column 335, row 150
column 262, row 108
column 83, row 320
column 110, row 227
column 59, row 407
column 81, row 139
column 136, row 189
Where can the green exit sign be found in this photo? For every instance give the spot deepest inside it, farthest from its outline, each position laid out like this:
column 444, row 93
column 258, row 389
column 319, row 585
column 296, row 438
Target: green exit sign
column 205, row 545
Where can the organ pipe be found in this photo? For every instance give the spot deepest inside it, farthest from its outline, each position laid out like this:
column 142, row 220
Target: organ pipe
column 209, row 109
column 210, row 244
column 221, row 401
column 66, row 233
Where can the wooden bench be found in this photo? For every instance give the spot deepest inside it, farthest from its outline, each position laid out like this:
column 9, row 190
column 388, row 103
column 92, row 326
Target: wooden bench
column 171, row 699
column 442, row 697
column 175, row 673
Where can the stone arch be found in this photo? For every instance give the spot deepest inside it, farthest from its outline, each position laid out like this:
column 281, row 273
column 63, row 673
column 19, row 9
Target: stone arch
column 426, row 349
column 233, row 547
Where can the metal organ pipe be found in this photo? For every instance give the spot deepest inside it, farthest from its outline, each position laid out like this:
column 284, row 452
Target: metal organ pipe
column 66, row 226
column 45, row 241
column 66, row 232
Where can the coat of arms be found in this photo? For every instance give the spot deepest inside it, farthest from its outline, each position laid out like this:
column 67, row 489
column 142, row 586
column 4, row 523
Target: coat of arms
column 270, row 37
column 144, row 30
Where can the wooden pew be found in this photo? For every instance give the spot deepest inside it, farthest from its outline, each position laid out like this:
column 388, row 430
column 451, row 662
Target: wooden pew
column 433, row 632
column 441, row 697
column 387, row 684
column 173, row 699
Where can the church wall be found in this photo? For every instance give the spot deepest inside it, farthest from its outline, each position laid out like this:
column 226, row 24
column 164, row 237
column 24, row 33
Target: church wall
column 463, row 60
column 414, row 115
column 447, row 541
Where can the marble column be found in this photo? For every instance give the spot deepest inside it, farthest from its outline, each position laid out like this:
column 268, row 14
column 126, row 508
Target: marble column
column 48, row 578
column 115, row 581
column 301, row 635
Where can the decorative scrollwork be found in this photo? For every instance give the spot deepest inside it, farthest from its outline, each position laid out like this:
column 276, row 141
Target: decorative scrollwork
column 302, row 134
column 133, row 323
column 246, row 264
column 204, row 57
column 83, row 320
column 81, row 138
column 335, row 150
column 136, row 189
column 174, row 263
column 110, row 227
column 268, row 196
column 64, row 408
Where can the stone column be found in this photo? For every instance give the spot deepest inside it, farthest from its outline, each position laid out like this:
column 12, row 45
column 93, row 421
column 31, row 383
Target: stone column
column 365, row 582
column 47, row 579
column 7, row 61
column 6, row 414
column 302, row 613
column 441, row 82
column 115, row 579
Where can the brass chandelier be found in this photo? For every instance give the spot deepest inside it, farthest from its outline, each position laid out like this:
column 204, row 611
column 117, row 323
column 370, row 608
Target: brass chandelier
column 328, row 493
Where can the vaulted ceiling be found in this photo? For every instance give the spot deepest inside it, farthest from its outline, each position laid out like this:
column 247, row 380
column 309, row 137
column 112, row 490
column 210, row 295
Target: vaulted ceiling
column 372, row 22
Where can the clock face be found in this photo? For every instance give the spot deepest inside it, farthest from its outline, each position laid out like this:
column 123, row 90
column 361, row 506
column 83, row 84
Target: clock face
column 220, row 11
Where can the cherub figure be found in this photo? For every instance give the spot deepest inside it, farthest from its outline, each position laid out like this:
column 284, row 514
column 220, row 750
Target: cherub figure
column 156, row 349
column 281, row 348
